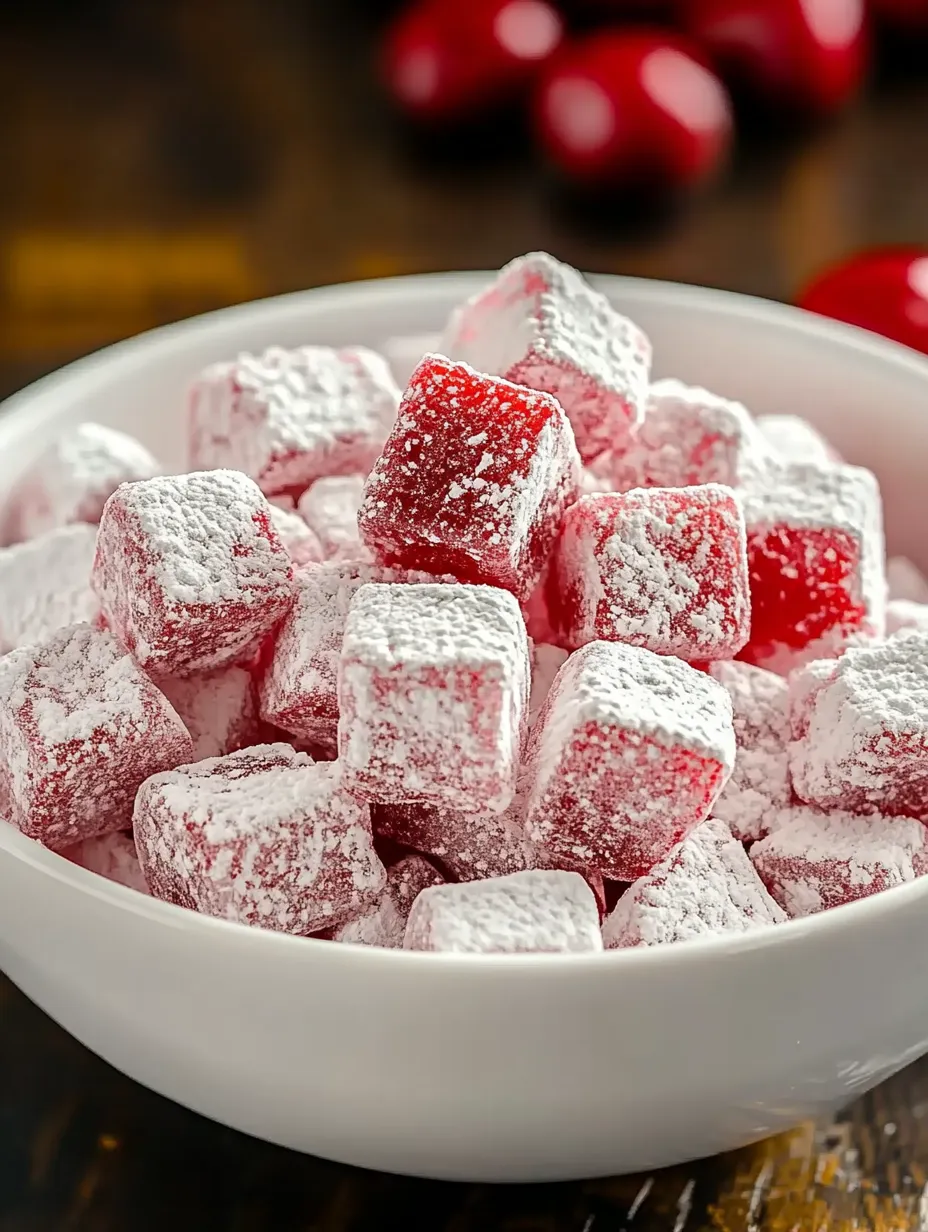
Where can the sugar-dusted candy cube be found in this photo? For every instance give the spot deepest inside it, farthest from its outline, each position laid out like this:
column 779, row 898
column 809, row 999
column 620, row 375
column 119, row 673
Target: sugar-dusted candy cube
column 433, row 690
column 112, row 856
column 473, row 480
column 73, row 478
column 905, row 614
column 404, row 351
column 662, row 568
column 815, row 558
column 301, row 542
column 813, row 860
column 330, row 509
column 538, row 911
column 384, row 922
column 540, row 324
column 759, row 784
column 795, row 440
column 190, row 572
column 707, row 884
column 630, row 753
column 264, row 836
column 860, row 729
column 45, row 585
column 287, row 418
column 217, row 708
column 80, row 728
column 905, row 580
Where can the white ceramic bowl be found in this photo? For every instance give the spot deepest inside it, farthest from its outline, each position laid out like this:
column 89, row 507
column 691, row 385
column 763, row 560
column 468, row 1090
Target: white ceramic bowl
column 509, row 1068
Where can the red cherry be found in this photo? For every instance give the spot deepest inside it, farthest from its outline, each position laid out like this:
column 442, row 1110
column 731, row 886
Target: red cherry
column 903, row 14
column 885, row 291
column 802, row 55
column 633, row 107
column 444, row 59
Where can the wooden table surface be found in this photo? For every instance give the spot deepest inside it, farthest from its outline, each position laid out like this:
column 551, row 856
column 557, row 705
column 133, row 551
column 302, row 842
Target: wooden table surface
column 159, row 159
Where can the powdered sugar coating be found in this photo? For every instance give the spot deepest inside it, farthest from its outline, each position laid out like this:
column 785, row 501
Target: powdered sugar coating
column 300, row 541
column 287, row 418
column 72, row 479
column 706, row 885
column 814, row 860
column 905, row 580
column 473, row 480
column 384, row 923
column 905, row 614
column 330, row 508
column 629, row 754
column 759, row 784
column 112, row 856
column 530, row 912
column 264, row 836
column 217, row 708
column 795, row 440
column 661, row 568
column 190, row 572
column 80, row 728
column 540, row 324
column 45, row 585
column 433, row 688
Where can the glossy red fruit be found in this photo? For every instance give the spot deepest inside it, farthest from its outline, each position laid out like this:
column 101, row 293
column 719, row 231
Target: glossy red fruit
column 885, row 291
column 448, row 59
column 794, row 55
column 635, row 106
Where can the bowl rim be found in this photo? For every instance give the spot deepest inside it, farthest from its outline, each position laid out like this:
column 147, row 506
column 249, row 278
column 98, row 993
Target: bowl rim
column 19, row 418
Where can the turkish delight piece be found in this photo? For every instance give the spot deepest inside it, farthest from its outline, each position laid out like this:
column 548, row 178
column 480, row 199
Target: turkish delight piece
column 384, row 923
column 217, row 708
column 330, row 509
column 795, row 440
column 45, row 585
column 112, row 856
column 301, row 542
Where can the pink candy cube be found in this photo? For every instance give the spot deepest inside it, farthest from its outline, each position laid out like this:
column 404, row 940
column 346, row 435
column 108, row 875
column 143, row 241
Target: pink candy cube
column 217, row 708
column 80, row 728
column 300, row 541
column 190, row 573
column 433, row 690
column 662, row 568
column 45, row 585
column 286, row 418
column 112, row 856
column 330, row 508
column 706, row 885
column 384, row 923
column 474, row 479
column 630, row 753
column 264, row 836
column 541, row 325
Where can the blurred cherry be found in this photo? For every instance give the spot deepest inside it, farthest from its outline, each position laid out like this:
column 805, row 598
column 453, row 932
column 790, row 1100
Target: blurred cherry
column 633, row 108
column 885, row 291
column 448, row 59
column 804, row 56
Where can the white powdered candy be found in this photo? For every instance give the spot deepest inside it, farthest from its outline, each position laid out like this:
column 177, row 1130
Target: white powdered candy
column 384, row 923
column 302, row 543
column 112, row 856
column 330, row 509
column 45, row 585
column 218, row 709
column 795, row 440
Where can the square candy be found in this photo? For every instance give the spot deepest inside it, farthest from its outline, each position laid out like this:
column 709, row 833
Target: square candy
column 80, row 728
column 630, row 754
column 794, row 439
column 190, row 573
column 661, row 568
column 286, row 418
column 300, row 541
column 330, row 509
column 384, row 923
column 45, row 585
column 473, row 481
column 217, row 708
column 433, row 689
column 541, row 325
column 112, row 856
column 706, row 885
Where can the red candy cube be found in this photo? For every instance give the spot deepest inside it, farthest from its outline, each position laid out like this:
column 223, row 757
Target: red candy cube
column 794, row 439
column 815, row 556
column 541, row 325
column 190, row 572
column 531, row 912
column 474, row 479
column 218, row 709
column 264, row 836
column 300, row 541
column 45, row 585
column 384, row 923
column 287, row 418
column 330, row 509
column 112, row 856
column 662, row 568
column 815, row 860
column 630, row 753
column 433, row 689
column 706, row 885
column 80, row 728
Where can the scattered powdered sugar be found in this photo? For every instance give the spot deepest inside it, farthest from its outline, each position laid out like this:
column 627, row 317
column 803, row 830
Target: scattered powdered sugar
column 301, row 541
column 795, row 440
column 45, row 585
column 112, row 856
column 218, row 709
column 384, row 924
column 330, row 508
column 905, row 580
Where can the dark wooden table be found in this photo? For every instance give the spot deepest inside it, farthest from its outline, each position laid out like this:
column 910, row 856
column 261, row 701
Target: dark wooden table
column 158, row 159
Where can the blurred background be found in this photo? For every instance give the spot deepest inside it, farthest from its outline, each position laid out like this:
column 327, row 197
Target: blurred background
column 165, row 157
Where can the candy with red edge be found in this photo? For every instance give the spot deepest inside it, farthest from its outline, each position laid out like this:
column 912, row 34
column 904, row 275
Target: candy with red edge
column 662, row 568
column 794, row 439
column 45, row 585
column 80, row 728
column 815, row 558
column 706, row 885
column 384, row 922
column 189, row 571
column 287, row 418
column 112, row 856
column 330, row 510
column 884, row 290
column 301, row 541
column 433, row 688
column 904, row 580
column 540, row 324
column 217, row 708
column 813, row 860
column 264, row 836
column 532, row 912
column 73, row 478
column 630, row 753
column 474, row 479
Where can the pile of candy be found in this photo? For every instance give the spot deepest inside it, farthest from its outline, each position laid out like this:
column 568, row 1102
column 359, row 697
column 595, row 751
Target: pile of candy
column 536, row 656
